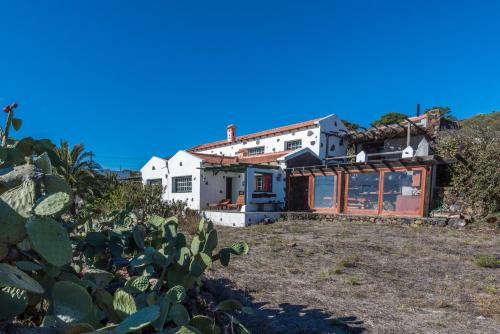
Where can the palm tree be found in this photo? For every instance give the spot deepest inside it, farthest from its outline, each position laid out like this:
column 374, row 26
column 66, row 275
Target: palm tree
column 78, row 168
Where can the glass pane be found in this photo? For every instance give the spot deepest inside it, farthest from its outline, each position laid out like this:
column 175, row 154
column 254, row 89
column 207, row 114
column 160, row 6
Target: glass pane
column 362, row 193
column 324, row 191
column 402, row 191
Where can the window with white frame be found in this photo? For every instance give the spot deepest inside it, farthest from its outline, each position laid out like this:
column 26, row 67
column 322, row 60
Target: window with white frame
column 293, row 144
column 255, row 150
column 182, row 184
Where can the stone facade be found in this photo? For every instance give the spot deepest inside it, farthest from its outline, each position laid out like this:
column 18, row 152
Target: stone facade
column 395, row 220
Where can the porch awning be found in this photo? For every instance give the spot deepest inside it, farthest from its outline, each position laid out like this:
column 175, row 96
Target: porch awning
column 370, row 165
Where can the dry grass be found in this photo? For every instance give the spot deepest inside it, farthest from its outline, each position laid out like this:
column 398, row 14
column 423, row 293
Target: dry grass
column 318, row 277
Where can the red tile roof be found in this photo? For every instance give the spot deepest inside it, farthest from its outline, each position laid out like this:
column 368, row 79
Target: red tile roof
column 252, row 159
column 255, row 135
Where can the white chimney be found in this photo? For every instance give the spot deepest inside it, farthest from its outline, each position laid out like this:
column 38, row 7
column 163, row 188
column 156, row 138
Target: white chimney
column 231, row 133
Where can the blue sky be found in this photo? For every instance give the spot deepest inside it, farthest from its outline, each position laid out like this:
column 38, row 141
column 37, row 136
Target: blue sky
column 132, row 79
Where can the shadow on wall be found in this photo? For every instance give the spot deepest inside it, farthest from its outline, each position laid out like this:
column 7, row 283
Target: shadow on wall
column 286, row 318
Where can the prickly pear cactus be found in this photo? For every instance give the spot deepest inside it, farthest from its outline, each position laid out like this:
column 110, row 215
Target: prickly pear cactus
column 21, row 198
column 120, row 276
column 53, row 204
column 71, row 302
column 12, row 228
column 13, row 277
column 13, row 301
column 50, row 240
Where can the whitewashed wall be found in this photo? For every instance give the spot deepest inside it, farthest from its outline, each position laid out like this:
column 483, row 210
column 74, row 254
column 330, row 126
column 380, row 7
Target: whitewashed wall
column 275, row 143
column 213, row 186
column 335, row 146
column 311, row 138
column 184, row 164
column 154, row 169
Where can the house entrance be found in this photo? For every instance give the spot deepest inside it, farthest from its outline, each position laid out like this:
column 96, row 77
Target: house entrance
column 229, row 188
column 298, row 193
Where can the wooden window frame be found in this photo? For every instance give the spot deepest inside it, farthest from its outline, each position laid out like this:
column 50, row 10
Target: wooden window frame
column 336, row 194
column 346, row 195
column 380, row 211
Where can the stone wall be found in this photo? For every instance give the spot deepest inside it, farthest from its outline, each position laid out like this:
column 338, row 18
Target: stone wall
column 398, row 220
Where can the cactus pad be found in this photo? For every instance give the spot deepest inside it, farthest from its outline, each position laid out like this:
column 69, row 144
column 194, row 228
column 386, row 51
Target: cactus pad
column 50, row 240
column 4, row 250
column 240, row 248
column 78, row 328
column 11, row 276
column 176, row 294
column 53, row 204
column 137, row 284
column 11, row 225
column 138, row 320
column 13, row 301
column 71, row 303
column 43, row 163
column 21, row 198
column 53, row 184
column 179, row 315
column 204, row 324
column 124, row 304
column 211, row 242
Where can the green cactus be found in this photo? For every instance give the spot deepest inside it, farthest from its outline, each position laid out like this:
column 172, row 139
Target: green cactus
column 13, row 301
column 99, row 276
column 11, row 225
column 28, row 266
column 104, row 300
column 240, row 248
column 53, row 204
column 70, row 302
column 204, row 324
column 211, row 242
column 78, row 328
column 139, row 233
column 4, row 250
column 137, row 284
column 53, row 184
column 195, row 245
column 50, row 240
column 21, row 198
column 184, row 256
column 124, row 304
column 11, row 276
column 178, row 314
column 138, row 320
column 43, row 163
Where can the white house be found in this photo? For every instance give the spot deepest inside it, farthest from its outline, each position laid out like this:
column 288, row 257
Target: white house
column 241, row 180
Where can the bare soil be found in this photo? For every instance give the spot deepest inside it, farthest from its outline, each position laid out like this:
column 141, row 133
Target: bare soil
column 331, row 277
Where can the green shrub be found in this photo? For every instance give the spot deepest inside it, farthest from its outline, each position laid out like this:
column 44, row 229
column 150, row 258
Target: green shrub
column 474, row 178
column 487, row 261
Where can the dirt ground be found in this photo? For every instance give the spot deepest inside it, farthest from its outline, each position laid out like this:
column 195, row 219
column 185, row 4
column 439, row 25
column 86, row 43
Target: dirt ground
column 324, row 277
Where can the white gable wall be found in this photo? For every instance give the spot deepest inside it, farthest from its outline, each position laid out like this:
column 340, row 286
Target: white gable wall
column 331, row 124
column 155, row 169
column 184, row 164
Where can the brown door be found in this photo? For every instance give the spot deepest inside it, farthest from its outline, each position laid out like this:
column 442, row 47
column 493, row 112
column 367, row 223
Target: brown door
column 229, row 188
column 298, row 193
